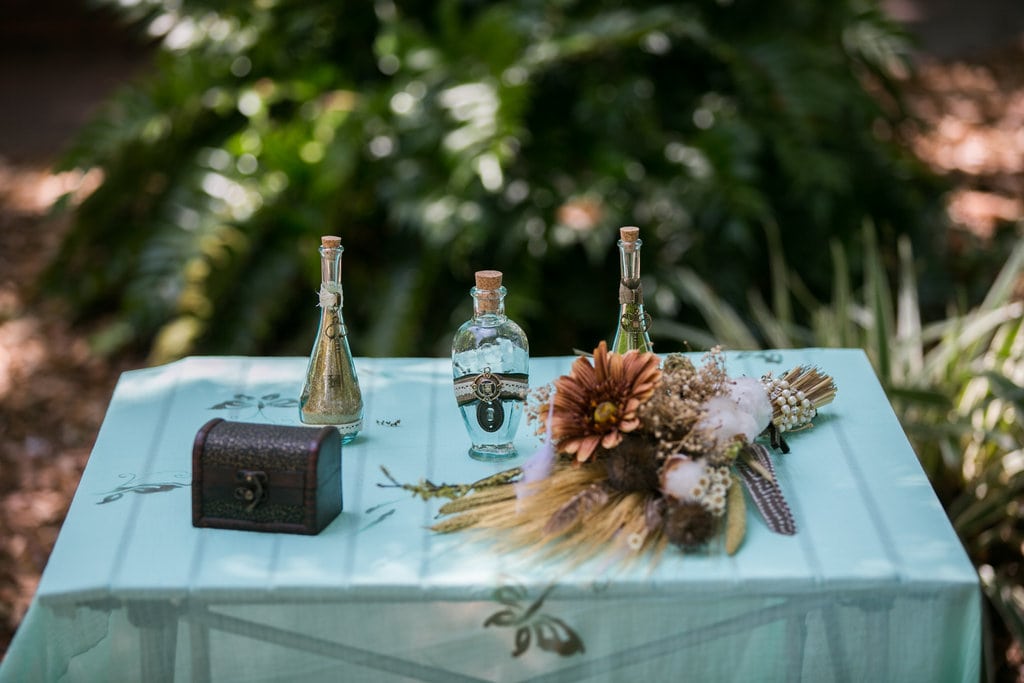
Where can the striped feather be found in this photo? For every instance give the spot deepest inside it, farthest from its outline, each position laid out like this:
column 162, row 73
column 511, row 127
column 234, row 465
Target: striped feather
column 765, row 492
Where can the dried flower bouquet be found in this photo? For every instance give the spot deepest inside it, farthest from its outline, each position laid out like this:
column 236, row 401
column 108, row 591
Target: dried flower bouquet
column 640, row 454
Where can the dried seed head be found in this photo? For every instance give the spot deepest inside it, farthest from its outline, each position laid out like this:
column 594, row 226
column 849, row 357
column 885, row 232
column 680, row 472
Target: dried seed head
column 688, row 524
column 633, row 465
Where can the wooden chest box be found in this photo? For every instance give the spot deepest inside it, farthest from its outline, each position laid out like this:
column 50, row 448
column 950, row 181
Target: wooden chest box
column 262, row 477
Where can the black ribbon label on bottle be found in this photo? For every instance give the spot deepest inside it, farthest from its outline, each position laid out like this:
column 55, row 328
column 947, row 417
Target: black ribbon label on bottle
column 490, row 387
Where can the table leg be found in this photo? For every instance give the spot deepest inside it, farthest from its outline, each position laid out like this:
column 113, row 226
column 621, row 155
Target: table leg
column 796, row 643
column 834, row 639
column 157, row 622
column 878, row 641
column 199, row 639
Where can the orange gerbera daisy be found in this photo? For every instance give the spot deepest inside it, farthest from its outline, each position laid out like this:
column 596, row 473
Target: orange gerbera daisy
column 594, row 405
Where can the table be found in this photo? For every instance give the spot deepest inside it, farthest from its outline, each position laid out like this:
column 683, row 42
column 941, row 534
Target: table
column 874, row 587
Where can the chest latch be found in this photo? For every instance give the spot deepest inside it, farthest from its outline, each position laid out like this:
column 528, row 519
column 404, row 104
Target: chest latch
column 252, row 487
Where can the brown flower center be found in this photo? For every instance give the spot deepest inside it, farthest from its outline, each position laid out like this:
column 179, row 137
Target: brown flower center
column 606, row 413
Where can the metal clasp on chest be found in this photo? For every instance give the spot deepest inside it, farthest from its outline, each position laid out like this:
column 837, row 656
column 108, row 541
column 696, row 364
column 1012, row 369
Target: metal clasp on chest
column 252, row 487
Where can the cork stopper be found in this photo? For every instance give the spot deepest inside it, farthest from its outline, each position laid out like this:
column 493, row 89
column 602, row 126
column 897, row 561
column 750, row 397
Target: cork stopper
column 629, row 234
column 488, row 279
column 330, row 241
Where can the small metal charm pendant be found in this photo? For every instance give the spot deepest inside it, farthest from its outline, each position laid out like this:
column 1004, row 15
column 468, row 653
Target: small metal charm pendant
column 636, row 323
column 486, row 386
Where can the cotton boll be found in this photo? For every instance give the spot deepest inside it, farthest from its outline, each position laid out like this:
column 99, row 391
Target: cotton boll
column 725, row 419
column 684, row 478
column 750, row 395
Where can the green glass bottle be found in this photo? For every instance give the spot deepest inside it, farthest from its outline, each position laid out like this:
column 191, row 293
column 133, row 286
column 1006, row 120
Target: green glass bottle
column 633, row 331
column 331, row 395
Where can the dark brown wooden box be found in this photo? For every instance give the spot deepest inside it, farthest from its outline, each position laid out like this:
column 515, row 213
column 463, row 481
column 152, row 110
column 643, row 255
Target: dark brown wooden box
column 262, row 477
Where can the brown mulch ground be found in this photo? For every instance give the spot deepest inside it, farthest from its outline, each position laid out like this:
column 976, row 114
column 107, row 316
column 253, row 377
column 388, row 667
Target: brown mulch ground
column 54, row 390
column 53, row 393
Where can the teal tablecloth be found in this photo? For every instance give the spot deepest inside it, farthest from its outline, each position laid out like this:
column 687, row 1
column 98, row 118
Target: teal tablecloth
column 874, row 587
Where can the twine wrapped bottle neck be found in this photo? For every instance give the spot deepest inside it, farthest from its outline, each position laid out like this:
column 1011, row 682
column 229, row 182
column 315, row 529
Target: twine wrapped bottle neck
column 331, row 296
column 630, row 289
column 630, row 295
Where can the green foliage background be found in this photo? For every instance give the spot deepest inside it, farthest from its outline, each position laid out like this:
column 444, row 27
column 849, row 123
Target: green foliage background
column 439, row 138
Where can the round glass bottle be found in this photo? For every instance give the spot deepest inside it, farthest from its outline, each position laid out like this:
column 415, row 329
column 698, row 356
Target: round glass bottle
column 330, row 394
column 632, row 331
column 490, row 367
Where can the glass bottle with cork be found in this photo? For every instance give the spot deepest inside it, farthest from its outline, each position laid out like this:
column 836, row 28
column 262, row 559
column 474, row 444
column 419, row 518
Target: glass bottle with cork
column 633, row 330
column 490, row 367
column 330, row 394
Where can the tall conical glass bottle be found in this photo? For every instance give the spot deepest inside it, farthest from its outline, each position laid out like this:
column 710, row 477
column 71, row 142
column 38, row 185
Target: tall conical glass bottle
column 490, row 366
column 330, row 395
column 634, row 322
